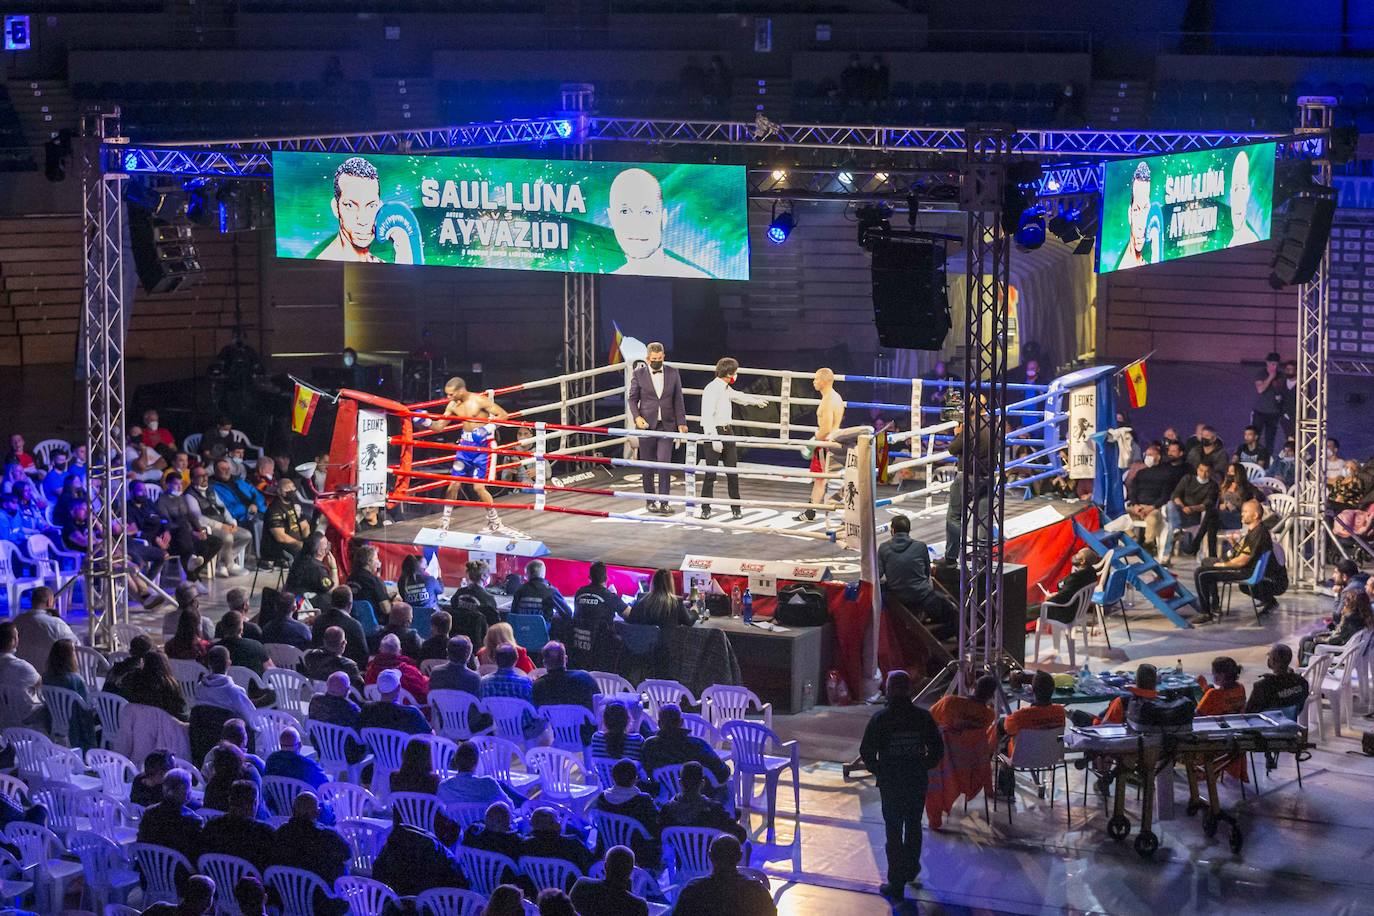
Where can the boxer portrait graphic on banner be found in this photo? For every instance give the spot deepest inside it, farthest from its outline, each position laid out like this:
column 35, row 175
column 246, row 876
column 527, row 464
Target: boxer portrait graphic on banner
column 644, row 219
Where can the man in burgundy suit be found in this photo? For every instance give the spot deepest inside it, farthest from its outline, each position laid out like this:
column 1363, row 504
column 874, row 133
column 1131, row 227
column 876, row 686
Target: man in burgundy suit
column 656, row 403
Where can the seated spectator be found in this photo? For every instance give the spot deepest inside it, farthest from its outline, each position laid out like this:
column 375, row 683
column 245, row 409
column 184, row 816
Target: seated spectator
column 501, row 634
column 1236, row 490
column 286, row 531
column 73, row 492
column 146, row 788
column 20, row 681
column 455, row 674
column 436, row 646
column 365, row 579
column 277, row 620
column 413, row 861
column 237, row 600
column 238, row 831
column 18, row 455
column 398, row 624
column 547, row 840
column 228, row 764
column 189, row 541
column 142, row 462
column 506, row 900
column 1284, row 464
column 39, row 627
column 290, row 762
column 1145, row 688
column 418, row 588
column 1194, row 497
column 156, row 436
column 1150, row 489
column 233, row 731
column 56, row 475
column 139, row 647
column 187, row 642
column 1042, row 712
column 417, row 775
column 1254, row 542
column 473, row 607
column 303, row 843
column 13, row 526
column 691, row 808
column 61, row 671
column 661, row 606
column 507, row 680
column 496, row 834
column 537, row 596
column 465, row 787
column 197, row 899
column 1345, row 488
column 674, row 744
column 1082, row 574
column 218, row 438
column 314, row 570
column 595, row 608
column 554, row 902
column 250, row 896
column 559, row 685
column 170, row 822
column 389, row 657
column 614, row 741
column 1282, row 688
column 626, row 799
column 611, row 895
column 966, row 730
column 318, row 664
column 337, row 614
column 210, row 514
column 388, row 713
column 243, row 651
column 1251, row 449
column 1225, row 697
column 186, row 594
column 725, row 890
column 152, row 684
column 333, row 707
column 1356, row 615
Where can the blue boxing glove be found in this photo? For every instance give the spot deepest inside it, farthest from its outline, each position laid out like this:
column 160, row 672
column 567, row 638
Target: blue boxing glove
column 396, row 223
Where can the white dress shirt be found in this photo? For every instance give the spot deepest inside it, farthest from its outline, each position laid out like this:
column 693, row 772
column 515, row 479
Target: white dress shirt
column 657, row 379
column 717, row 401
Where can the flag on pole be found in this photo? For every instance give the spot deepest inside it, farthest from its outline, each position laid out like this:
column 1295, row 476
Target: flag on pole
column 303, row 408
column 615, row 356
column 1136, row 382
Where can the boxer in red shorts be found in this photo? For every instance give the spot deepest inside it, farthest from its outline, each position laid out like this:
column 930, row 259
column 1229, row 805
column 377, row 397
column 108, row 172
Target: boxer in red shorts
column 829, row 417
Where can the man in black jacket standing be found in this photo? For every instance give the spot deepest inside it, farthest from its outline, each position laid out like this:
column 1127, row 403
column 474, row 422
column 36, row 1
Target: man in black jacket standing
column 904, row 563
column 902, row 742
column 656, row 403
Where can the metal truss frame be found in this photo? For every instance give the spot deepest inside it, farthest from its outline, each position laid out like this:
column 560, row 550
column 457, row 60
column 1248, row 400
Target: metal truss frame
column 1315, row 114
column 103, row 324
column 982, row 483
column 579, row 290
column 1060, row 180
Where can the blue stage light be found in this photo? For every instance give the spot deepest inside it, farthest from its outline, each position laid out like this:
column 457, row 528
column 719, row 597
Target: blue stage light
column 781, row 227
column 1030, row 234
column 130, row 162
column 564, row 128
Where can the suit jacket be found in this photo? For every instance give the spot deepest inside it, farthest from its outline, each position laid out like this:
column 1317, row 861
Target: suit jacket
column 669, row 408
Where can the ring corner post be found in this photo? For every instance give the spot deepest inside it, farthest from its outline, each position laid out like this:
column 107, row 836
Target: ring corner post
column 868, row 557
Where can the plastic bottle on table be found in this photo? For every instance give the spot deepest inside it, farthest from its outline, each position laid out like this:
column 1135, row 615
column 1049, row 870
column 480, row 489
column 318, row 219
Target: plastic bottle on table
column 1084, row 676
column 735, row 603
column 748, row 605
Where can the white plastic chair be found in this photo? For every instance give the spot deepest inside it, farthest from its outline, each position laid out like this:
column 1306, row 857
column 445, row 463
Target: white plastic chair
column 15, row 584
column 43, row 451
column 557, row 770
column 109, row 709
column 546, row 873
column 466, row 814
column 1315, row 674
column 616, row 829
column 246, row 677
column 1252, row 471
column 441, row 751
column 191, row 444
column 494, row 757
column 62, row 705
column 331, row 743
column 351, row 802
column 284, row 656
column 721, row 703
column 567, row 720
column 365, row 897
column 452, row 711
column 1337, row 686
column 109, row 877
column 226, row 871
column 293, row 691
column 112, row 819
column 1038, row 750
column 608, row 683
column 698, row 726
column 158, row 864
column 187, row 674
column 47, row 560
column 365, row 839
column 296, row 889
column 92, row 667
column 116, row 771
column 751, row 744
column 387, row 746
column 509, row 715
column 124, row 634
column 15, row 789
column 416, row 809
column 661, row 692
column 1081, row 602
column 42, row 851
column 372, row 694
column 451, row 901
column 268, row 725
column 280, row 793
column 66, row 808
column 688, row 850
column 484, row 869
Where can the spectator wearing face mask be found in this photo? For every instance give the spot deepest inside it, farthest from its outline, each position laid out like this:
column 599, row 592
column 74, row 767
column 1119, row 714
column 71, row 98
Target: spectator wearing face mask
column 1194, row 496
column 1149, row 491
column 1209, row 450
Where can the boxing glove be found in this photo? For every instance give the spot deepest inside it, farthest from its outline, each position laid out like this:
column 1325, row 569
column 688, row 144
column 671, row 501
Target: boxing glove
column 396, row 224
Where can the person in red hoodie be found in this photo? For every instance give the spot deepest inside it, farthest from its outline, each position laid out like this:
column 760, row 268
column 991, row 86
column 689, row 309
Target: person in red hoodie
column 389, row 656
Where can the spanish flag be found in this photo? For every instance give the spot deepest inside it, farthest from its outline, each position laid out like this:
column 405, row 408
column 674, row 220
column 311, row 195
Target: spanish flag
column 1136, row 383
column 615, row 356
column 303, row 408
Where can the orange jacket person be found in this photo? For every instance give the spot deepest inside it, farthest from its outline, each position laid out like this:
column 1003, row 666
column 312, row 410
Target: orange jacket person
column 966, row 768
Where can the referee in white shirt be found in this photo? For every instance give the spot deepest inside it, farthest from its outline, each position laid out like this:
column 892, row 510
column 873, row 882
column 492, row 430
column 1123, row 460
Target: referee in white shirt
column 717, row 415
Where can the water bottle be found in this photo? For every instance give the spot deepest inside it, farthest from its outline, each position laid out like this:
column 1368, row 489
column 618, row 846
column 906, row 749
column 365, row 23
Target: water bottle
column 748, row 605
column 1084, row 676
column 735, row 601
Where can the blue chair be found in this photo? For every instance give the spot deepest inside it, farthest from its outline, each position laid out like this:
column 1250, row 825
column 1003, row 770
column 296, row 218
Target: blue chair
column 531, row 631
column 1112, row 592
column 1256, row 577
column 366, row 615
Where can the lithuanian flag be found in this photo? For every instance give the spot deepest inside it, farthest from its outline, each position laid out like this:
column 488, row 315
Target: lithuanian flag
column 1136, row 382
column 303, row 408
column 615, row 356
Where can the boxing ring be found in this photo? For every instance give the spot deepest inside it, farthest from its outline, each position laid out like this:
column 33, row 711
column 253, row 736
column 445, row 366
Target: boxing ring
column 574, row 491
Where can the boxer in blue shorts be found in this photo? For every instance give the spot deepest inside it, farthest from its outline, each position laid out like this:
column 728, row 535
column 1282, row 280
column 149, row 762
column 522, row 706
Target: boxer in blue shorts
column 472, row 410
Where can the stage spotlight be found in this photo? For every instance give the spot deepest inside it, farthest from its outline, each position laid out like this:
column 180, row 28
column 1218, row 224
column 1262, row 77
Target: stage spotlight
column 1019, row 192
column 1030, row 233
column 782, row 225
column 779, row 174
column 880, row 177
column 564, row 128
column 846, row 178
column 1064, row 225
column 873, row 219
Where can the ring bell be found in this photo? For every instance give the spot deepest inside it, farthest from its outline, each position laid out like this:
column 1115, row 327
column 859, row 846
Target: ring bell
column 497, row 227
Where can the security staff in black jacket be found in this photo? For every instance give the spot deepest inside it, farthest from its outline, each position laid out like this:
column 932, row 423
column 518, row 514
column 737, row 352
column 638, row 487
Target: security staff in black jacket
column 900, row 744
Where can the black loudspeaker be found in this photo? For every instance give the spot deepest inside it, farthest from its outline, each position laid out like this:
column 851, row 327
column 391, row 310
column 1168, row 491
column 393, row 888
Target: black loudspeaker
column 1304, row 232
column 910, row 307
column 164, row 251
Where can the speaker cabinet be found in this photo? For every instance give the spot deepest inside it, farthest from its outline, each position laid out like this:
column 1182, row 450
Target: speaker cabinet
column 1305, row 230
column 910, row 306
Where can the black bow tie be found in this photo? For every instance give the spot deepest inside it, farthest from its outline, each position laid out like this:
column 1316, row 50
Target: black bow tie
column 656, row 371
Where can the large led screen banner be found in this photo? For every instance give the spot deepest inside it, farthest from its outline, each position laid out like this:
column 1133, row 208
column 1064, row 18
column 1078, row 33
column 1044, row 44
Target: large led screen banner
column 650, row 219
column 1164, row 207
